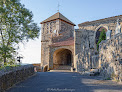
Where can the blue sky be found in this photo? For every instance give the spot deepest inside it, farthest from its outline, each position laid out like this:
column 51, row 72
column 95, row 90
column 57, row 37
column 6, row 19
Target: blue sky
column 77, row 11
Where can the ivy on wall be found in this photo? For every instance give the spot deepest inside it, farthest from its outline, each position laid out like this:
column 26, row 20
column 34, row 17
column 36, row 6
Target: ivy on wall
column 102, row 37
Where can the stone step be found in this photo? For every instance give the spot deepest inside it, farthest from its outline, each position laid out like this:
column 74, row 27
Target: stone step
column 62, row 67
column 59, row 71
column 94, row 72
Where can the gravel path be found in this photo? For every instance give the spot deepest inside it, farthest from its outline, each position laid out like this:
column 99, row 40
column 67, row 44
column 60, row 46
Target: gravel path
column 65, row 82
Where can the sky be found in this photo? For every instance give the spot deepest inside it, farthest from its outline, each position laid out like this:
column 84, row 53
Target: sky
column 78, row 11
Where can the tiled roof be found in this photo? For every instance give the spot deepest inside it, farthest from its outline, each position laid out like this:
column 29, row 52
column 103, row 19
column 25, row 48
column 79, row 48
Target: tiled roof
column 58, row 15
column 100, row 20
column 69, row 41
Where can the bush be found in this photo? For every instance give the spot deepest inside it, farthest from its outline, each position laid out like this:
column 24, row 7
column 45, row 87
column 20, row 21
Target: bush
column 102, row 37
column 8, row 67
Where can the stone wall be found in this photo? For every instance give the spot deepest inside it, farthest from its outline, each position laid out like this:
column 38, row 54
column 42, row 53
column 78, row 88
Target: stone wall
column 95, row 61
column 86, row 54
column 95, row 25
column 84, row 39
column 47, row 32
column 56, row 31
column 58, row 49
column 44, row 53
column 84, row 49
column 9, row 78
column 82, row 61
column 66, row 31
column 52, row 32
column 37, row 67
column 110, row 57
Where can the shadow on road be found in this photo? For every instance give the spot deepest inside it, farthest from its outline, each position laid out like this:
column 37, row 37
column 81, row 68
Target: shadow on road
column 65, row 82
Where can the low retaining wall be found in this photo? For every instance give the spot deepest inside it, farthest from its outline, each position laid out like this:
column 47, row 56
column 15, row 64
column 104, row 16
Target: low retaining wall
column 38, row 67
column 86, row 60
column 8, row 79
column 82, row 61
column 110, row 58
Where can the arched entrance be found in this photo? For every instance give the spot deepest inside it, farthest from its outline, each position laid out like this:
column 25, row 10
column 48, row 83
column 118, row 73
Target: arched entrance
column 98, row 33
column 45, row 68
column 62, row 59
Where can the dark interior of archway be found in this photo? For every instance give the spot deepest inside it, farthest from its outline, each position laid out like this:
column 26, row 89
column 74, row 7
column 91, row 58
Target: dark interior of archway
column 63, row 57
column 98, row 33
column 69, row 59
column 45, row 69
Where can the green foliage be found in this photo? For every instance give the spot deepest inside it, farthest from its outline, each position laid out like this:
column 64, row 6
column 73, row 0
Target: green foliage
column 16, row 25
column 8, row 67
column 102, row 37
column 109, row 78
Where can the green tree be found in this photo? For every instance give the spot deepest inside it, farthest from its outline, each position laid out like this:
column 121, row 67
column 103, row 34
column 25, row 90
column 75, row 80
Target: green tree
column 16, row 25
column 102, row 37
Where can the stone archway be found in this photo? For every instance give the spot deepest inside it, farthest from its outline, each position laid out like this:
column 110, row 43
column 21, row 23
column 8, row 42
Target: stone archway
column 98, row 31
column 45, row 68
column 62, row 58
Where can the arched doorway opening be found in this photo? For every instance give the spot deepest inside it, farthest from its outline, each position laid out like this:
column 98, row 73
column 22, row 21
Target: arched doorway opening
column 45, row 68
column 62, row 59
column 98, row 33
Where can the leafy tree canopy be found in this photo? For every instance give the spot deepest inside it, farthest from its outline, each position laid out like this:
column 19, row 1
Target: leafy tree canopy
column 16, row 25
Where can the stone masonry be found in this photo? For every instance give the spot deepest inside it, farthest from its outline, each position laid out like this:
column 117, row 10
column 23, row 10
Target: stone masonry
column 110, row 57
column 86, row 54
column 17, row 74
column 56, row 28
column 60, row 38
column 83, row 49
column 107, row 23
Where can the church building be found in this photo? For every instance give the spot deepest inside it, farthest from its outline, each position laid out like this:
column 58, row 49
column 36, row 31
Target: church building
column 66, row 48
column 57, row 42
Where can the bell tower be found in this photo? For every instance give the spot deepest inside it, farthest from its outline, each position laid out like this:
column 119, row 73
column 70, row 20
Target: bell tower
column 54, row 29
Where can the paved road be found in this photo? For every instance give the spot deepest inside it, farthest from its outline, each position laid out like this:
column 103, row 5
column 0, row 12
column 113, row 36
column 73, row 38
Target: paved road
column 65, row 82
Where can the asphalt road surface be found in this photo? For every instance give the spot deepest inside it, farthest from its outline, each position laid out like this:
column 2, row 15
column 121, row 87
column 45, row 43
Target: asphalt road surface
column 65, row 82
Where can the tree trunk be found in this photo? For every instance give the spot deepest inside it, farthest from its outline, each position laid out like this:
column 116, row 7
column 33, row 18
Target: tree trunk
column 5, row 59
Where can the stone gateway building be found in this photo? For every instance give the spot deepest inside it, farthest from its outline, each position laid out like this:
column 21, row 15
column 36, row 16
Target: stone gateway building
column 66, row 48
column 57, row 43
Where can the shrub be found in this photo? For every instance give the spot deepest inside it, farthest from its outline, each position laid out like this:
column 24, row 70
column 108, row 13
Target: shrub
column 102, row 37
